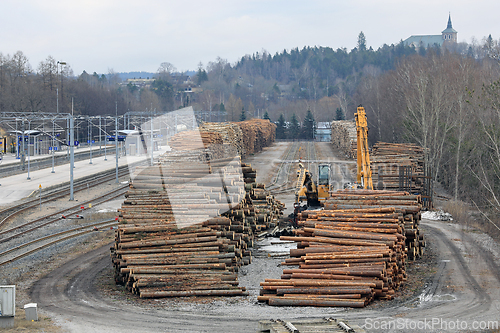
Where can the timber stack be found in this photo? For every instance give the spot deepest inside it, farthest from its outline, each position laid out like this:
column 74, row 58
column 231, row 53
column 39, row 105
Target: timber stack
column 187, row 225
column 230, row 132
column 344, row 137
column 407, row 205
column 257, row 134
column 350, row 253
column 400, row 166
column 212, row 142
column 244, row 137
column 189, row 140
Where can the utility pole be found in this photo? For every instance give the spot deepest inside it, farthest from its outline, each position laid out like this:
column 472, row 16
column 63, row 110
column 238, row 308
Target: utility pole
column 23, row 153
column 152, row 142
column 105, row 137
column 116, row 139
column 53, row 145
column 90, row 138
column 29, row 152
column 72, row 155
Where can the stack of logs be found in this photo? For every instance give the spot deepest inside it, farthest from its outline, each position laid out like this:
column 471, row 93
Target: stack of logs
column 160, row 260
column 350, row 253
column 212, row 142
column 344, row 137
column 231, row 134
column 257, row 134
column 405, row 204
column 259, row 210
column 387, row 158
column 189, row 140
column 244, row 138
column 187, row 224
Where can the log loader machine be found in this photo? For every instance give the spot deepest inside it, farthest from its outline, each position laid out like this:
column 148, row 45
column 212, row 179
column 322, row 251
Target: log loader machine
column 364, row 174
column 314, row 192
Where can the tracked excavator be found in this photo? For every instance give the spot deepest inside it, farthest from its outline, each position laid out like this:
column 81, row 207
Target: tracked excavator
column 315, row 191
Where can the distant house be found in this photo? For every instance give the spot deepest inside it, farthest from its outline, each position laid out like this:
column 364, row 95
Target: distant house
column 323, row 131
column 140, row 82
column 448, row 36
column 182, row 79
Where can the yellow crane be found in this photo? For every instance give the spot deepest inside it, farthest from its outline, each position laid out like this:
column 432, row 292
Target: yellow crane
column 364, row 174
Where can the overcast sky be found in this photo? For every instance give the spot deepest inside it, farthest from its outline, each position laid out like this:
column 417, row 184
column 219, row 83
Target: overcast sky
column 138, row 35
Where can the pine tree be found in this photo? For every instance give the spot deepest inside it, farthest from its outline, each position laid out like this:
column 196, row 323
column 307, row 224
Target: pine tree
column 266, row 116
column 281, row 127
column 309, row 126
column 361, row 42
column 294, row 131
column 201, row 76
column 243, row 115
column 339, row 114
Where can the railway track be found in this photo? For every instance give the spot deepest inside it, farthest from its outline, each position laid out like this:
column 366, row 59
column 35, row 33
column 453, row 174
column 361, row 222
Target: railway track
column 284, row 167
column 10, row 212
column 46, row 220
column 41, row 243
column 47, row 224
column 309, row 151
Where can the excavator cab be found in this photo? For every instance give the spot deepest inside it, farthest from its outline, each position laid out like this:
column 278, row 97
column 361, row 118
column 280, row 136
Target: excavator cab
column 324, row 174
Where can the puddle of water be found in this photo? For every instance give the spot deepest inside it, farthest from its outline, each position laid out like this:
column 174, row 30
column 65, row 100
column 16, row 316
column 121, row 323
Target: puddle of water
column 424, row 297
column 106, row 210
column 275, row 245
column 446, row 297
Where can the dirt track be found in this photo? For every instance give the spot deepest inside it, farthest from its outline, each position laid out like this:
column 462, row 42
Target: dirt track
column 465, row 286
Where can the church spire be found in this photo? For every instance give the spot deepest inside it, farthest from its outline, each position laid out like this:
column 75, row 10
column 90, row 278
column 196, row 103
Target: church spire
column 449, row 22
column 449, row 34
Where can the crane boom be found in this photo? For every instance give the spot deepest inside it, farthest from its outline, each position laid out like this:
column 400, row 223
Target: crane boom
column 364, row 175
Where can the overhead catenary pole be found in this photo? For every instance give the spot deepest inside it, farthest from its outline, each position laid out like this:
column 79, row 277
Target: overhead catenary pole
column 105, row 137
column 116, row 139
column 152, row 159
column 17, row 142
column 29, row 152
column 100, row 135
column 90, row 139
column 23, row 154
column 72, row 155
column 67, row 137
column 53, row 144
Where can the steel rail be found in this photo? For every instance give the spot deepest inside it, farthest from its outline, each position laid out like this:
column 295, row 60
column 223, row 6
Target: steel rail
column 56, row 195
column 105, row 223
column 293, row 148
column 3, row 240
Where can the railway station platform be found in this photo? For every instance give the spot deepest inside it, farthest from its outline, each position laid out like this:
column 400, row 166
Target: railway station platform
column 17, row 187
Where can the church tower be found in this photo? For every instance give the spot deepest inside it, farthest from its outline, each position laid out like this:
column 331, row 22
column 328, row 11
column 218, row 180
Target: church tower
column 449, row 34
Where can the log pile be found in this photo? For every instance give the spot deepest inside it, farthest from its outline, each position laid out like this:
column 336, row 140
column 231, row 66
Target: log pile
column 187, row 224
column 248, row 137
column 350, row 253
column 387, row 160
column 344, row 137
column 160, row 260
column 405, row 204
column 189, row 140
column 231, row 134
column 257, row 134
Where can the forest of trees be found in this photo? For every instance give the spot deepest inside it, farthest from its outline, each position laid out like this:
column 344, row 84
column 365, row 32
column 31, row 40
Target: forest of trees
column 444, row 99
